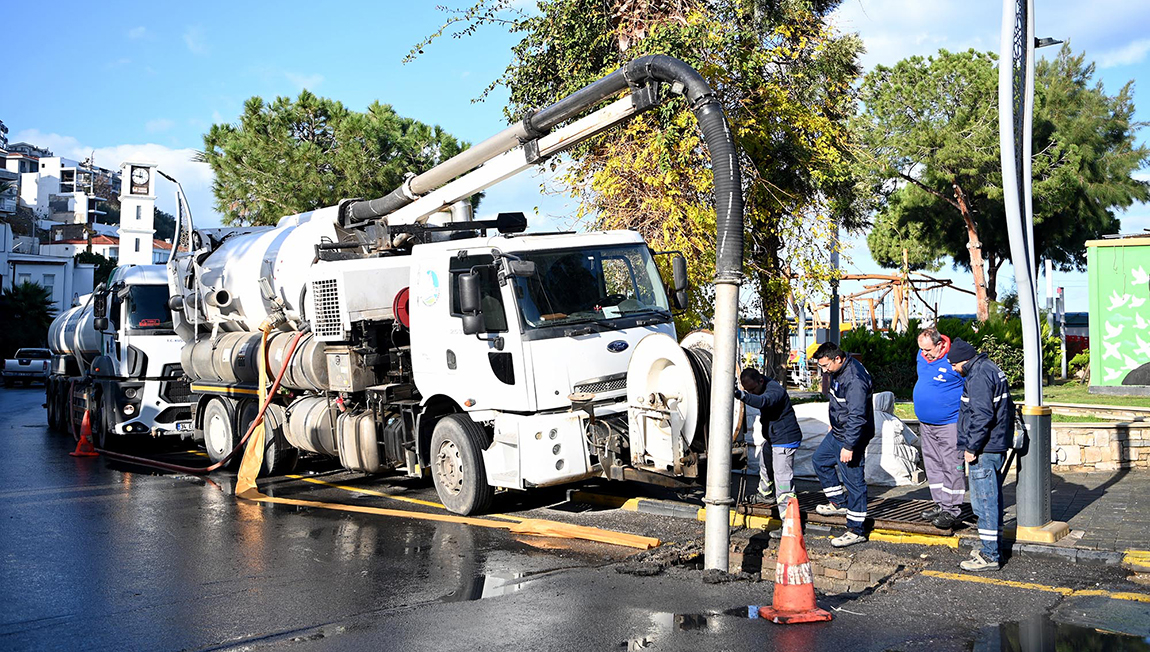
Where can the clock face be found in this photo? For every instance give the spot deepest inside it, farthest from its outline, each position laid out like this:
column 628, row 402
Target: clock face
column 140, row 178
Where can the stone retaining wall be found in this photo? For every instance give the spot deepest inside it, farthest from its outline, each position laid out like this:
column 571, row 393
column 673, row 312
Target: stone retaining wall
column 1101, row 446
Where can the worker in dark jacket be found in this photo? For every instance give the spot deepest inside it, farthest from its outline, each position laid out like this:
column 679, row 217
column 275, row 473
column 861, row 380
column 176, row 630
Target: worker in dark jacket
column 773, row 426
column 852, row 426
column 985, row 432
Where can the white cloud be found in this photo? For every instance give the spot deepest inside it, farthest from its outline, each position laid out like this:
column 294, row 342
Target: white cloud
column 1130, row 54
column 194, row 38
column 308, row 82
column 137, row 33
column 159, row 124
column 196, row 178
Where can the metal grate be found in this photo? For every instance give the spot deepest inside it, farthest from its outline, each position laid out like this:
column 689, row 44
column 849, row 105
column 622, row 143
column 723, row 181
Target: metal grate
column 605, row 384
column 179, row 388
column 326, row 322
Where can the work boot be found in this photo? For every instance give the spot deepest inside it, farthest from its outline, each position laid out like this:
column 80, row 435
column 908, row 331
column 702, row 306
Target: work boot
column 848, row 538
column 945, row 521
column 830, row 509
column 761, row 498
column 929, row 514
column 977, row 563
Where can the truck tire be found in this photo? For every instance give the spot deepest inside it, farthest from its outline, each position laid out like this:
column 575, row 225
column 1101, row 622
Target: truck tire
column 457, row 465
column 279, row 456
column 102, row 436
column 220, row 435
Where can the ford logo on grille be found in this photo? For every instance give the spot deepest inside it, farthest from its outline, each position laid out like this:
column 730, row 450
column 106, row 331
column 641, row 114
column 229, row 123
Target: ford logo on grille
column 618, row 346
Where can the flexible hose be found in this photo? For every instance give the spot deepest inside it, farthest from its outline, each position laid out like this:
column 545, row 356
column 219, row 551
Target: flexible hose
column 192, row 470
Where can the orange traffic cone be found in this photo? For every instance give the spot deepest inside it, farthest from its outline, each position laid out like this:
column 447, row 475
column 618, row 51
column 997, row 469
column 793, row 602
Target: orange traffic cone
column 794, row 600
column 84, row 447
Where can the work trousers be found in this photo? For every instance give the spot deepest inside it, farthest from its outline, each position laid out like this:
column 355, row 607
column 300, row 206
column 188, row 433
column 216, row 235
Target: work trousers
column 843, row 482
column 986, row 500
column 782, row 468
column 943, row 463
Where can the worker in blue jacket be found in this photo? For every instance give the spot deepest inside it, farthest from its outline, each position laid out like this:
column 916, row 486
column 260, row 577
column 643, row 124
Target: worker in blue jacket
column 772, row 426
column 985, row 432
column 936, row 401
column 843, row 450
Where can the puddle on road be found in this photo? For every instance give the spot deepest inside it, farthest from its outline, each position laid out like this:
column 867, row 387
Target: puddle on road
column 1042, row 633
column 490, row 585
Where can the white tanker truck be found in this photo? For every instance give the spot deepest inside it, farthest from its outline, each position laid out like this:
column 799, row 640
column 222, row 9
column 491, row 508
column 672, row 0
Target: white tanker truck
column 117, row 355
column 436, row 342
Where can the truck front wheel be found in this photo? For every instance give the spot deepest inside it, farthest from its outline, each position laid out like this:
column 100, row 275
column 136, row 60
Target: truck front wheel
column 457, row 465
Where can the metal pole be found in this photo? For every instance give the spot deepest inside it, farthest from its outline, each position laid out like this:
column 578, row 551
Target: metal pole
column 716, row 549
column 1061, row 309
column 1050, row 294
column 1015, row 104
column 833, row 325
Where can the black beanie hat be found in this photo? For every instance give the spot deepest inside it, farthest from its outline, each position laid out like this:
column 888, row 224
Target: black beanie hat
column 960, row 351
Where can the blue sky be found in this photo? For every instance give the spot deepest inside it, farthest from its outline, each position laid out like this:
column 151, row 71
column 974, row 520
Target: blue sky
column 145, row 80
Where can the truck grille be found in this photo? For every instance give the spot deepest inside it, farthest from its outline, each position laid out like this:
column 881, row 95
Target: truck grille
column 178, row 388
column 604, row 384
column 326, row 322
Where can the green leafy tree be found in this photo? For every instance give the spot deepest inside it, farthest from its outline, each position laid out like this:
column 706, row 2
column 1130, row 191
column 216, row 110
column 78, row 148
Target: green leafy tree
column 784, row 78
column 104, row 266
column 930, row 127
column 290, row 156
column 25, row 314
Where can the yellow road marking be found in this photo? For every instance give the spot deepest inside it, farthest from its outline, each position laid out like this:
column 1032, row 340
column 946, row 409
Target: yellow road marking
column 1137, row 560
column 1061, row 590
column 416, row 501
column 895, row 536
column 200, row 453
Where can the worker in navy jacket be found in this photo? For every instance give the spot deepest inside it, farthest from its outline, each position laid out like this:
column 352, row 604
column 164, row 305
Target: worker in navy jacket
column 936, row 401
column 838, row 461
column 772, row 426
column 985, row 432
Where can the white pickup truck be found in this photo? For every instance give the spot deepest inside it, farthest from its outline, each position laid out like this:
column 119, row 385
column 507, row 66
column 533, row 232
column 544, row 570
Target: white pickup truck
column 27, row 365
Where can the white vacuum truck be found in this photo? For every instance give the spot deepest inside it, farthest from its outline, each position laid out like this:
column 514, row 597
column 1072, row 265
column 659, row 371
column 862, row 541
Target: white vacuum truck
column 117, row 355
column 490, row 357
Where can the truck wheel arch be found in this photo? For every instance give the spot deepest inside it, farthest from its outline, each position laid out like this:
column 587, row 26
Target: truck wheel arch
column 434, row 408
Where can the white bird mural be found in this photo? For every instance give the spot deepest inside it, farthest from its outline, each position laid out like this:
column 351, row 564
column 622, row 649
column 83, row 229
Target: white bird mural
column 1143, row 348
column 1131, row 363
column 1113, row 331
column 1136, row 302
column 1111, row 374
column 1140, row 276
column 1139, row 322
column 1111, row 350
column 1118, row 301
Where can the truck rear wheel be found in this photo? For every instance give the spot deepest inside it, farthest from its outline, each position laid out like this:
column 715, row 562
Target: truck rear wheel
column 457, row 465
column 279, row 456
column 220, row 435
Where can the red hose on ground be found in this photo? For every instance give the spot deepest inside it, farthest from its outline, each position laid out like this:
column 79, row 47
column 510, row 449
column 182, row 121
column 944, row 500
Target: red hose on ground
column 176, row 468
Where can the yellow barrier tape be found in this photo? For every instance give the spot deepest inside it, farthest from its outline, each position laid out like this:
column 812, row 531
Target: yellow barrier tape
column 1061, row 590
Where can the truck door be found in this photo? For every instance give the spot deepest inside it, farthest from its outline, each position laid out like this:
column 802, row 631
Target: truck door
column 487, row 368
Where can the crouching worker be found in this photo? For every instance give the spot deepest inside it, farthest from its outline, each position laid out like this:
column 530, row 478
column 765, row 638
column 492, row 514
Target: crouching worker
column 842, row 451
column 774, row 428
column 985, row 431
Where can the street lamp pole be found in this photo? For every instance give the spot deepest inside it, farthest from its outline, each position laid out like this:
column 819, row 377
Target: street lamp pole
column 1015, row 112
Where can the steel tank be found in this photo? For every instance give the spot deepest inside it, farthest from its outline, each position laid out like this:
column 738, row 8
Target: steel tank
column 229, row 277
column 74, row 333
column 232, row 358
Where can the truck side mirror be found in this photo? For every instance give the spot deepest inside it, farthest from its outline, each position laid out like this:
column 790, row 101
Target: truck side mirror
column 470, row 304
column 100, row 323
column 100, row 304
column 521, row 268
column 681, row 284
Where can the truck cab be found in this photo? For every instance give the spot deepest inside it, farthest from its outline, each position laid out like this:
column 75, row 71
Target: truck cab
column 518, row 329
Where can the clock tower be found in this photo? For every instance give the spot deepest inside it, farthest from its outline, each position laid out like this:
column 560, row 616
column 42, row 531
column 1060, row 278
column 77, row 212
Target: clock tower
column 137, row 212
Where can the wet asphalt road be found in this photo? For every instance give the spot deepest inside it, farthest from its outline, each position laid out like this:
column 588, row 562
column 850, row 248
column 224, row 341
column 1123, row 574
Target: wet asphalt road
column 96, row 555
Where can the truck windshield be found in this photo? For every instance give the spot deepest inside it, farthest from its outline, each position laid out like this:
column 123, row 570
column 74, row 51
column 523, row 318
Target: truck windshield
column 590, row 285
column 148, row 308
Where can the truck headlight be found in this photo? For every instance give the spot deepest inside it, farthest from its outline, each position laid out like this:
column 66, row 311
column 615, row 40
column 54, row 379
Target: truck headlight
column 129, row 409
